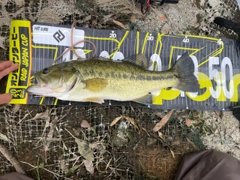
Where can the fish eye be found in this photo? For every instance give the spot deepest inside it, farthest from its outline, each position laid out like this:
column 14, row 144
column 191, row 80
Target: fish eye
column 45, row 71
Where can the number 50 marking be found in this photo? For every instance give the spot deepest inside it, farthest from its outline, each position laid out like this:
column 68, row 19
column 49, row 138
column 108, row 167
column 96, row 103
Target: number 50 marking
column 220, row 77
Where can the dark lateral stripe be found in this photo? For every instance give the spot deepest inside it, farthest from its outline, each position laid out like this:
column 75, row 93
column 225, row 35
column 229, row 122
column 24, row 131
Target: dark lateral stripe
column 154, row 78
column 107, row 75
column 149, row 78
column 157, row 78
column 112, row 75
column 119, row 75
column 141, row 77
column 100, row 74
column 92, row 73
column 131, row 77
column 138, row 77
column 125, row 76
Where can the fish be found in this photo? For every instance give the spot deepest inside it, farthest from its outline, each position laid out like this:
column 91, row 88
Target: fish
column 95, row 80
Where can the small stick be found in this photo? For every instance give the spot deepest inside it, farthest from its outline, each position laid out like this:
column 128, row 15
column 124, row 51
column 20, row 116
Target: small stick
column 16, row 164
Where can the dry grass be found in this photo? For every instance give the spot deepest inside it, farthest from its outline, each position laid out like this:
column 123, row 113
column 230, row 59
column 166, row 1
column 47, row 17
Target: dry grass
column 119, row 6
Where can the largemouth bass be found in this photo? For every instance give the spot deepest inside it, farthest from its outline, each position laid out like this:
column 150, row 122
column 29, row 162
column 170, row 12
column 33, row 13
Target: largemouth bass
column 98, row 80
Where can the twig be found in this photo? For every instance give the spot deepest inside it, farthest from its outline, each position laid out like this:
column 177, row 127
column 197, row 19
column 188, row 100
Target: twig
column 119, row 24
column 18, row 12
column 65, row 114
column 193, row 145
column 6, row 153
column 35, row 167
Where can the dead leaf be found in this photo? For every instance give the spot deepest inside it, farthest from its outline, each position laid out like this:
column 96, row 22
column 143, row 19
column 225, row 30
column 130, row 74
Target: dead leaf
column 84, row 149
column 163, row 121
column 89, row 166
column 173, row 155
column 115, row 121
column 94, row 22
column 162, row 18
column 161, row 135
column 188, row 122
column 132, row 121
column 133, row 18
column 119, row 24
column 85, row 124
column 4, row 137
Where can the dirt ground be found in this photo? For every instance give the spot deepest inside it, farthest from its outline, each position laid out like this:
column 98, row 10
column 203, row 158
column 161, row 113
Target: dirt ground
column 39, row 136
column 88, row 142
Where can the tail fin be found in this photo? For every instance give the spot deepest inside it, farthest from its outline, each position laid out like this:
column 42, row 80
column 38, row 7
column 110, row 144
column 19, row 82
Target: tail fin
column 184, row 71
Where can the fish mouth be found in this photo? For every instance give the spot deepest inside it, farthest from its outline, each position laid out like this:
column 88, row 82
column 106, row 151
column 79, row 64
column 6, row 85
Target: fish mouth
column 73, row 84
column 38, row 88
column 34, row 87
column 38, row 82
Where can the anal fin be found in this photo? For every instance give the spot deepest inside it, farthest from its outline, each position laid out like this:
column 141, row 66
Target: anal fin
column 146, row 100
column 95, row 100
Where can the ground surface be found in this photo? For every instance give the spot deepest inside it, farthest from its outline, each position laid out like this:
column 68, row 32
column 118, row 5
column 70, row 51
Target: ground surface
column 53, row 142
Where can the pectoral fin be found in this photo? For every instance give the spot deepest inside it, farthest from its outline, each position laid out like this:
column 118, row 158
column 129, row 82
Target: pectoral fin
column 147, row 100
column 96, row 84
